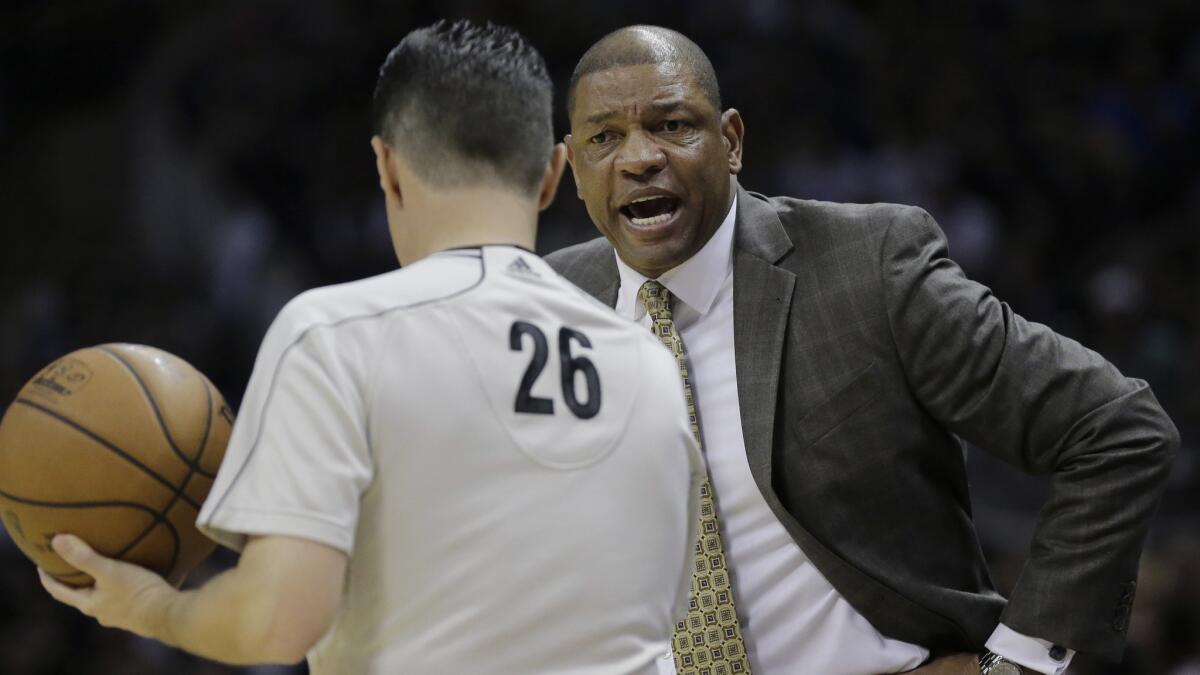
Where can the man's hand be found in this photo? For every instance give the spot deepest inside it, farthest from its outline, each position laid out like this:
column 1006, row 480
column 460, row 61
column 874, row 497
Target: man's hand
column 124, row 596
column 954, row 664
column 278, row 601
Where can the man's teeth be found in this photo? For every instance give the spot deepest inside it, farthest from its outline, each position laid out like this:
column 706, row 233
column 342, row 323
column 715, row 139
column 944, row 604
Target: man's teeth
column 653, row 220
column 650, row 220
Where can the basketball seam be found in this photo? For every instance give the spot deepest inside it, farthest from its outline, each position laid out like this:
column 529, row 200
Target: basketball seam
column 108, row 446
column 156, row 517
column 182, row 485
column 162, row 424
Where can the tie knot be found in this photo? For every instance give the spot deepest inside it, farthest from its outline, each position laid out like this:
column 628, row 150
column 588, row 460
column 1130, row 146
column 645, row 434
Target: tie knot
column 656, row 299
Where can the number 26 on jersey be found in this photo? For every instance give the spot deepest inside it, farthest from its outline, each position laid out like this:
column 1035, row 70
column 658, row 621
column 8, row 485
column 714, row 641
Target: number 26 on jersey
column 570, row 364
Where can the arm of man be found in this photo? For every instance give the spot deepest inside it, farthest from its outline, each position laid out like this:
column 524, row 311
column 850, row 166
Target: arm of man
column 1045, row 404
column 272, row 607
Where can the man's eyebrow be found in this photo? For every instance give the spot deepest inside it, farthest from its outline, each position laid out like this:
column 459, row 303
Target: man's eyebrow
column 600, row 118
column 670, row 105
column 662, row 106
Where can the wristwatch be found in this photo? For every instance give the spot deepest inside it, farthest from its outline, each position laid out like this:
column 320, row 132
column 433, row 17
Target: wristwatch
column 994, row 664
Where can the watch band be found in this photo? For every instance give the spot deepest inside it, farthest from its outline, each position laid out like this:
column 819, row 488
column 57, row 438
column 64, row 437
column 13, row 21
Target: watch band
column 991, row 663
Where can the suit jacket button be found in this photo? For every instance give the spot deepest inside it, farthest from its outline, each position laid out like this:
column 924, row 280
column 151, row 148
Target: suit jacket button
column 1058, row 652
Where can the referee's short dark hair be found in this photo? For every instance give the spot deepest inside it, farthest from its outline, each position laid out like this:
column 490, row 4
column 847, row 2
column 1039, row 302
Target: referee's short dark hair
column 467, row 104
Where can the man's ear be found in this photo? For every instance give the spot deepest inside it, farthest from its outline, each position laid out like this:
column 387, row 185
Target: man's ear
column 388, row 181
column 733, row 131
column 553, row 175
column 571, row 160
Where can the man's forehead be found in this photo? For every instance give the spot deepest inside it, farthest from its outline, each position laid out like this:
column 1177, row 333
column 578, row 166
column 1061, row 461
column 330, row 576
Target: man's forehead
column 648, row 85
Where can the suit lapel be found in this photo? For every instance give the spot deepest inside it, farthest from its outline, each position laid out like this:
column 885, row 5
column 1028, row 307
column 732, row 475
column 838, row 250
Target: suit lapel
column 609, row 295
column 762, row 298
column 595, row 271
column 604, row 291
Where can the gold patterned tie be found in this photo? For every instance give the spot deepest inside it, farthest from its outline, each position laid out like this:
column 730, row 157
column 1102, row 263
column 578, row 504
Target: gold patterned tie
column 709, row 640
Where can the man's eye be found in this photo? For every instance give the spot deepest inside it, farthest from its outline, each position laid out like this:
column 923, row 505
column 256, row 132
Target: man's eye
column 672, row 125
column 599, row 138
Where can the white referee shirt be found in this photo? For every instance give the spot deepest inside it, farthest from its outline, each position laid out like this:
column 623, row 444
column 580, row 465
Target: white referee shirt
column 507, row 463
column 793, row 620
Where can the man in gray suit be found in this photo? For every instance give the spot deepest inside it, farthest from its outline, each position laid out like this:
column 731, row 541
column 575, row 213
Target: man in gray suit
column 837, row 359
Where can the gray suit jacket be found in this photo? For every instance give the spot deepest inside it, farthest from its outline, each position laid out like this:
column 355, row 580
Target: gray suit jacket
column 863, row 356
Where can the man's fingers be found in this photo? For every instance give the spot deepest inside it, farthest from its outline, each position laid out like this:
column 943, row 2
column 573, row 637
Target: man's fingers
column 75, row 597
column 81, row 556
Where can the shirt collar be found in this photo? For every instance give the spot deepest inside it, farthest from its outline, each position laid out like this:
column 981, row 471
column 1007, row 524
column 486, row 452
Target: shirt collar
column 695, row 281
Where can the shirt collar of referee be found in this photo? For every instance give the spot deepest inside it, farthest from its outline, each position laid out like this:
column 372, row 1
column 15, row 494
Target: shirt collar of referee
column 695, row 281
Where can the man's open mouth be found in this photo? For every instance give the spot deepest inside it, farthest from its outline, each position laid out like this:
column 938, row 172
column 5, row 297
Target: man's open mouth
column 653, row 210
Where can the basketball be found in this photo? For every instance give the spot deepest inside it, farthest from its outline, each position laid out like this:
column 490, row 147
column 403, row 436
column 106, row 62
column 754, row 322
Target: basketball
column 118, row 444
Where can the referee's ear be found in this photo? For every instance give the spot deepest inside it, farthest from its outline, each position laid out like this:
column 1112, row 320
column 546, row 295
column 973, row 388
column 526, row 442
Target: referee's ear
column 388, row 181
column 552, row 177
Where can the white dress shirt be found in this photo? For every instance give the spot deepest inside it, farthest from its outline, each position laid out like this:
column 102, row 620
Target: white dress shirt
column 792, row 618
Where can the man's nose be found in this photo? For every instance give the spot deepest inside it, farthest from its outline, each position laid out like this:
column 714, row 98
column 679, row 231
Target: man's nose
column 640, row 156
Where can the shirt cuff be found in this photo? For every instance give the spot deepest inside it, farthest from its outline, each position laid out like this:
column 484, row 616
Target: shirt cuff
column 1039, row 655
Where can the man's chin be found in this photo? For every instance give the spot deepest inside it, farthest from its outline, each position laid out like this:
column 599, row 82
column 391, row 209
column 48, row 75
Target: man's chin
column 652, row 259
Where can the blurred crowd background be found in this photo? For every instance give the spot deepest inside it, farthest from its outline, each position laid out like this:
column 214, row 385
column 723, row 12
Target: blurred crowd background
column 172, row 173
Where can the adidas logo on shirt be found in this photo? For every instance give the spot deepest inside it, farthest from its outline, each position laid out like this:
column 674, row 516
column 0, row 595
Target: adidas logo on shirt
column 521, row 268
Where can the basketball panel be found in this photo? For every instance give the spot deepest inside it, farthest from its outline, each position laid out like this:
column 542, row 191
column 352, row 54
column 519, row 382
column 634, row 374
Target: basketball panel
column 43, row 458
column 108, row 528
column 106, row 400
column 218, row 436
column 158, row 550
column 194, row 547
column 178, row 396
column 197, row 488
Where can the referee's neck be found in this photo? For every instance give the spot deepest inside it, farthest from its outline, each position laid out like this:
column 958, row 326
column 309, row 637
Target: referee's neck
column 460, row 218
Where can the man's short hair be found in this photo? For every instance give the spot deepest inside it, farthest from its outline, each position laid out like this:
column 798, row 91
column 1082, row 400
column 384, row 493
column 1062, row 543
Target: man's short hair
column 467, row 104
column 641, row 45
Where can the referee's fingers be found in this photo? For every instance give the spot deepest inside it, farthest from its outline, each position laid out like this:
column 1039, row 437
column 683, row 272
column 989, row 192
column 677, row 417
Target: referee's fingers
column 81, row 556
column 75, row 597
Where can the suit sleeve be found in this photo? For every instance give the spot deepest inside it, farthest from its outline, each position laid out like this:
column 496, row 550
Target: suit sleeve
column 1045, row 404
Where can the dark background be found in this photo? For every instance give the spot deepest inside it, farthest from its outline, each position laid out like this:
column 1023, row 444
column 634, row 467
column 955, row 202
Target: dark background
column 172, row 173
